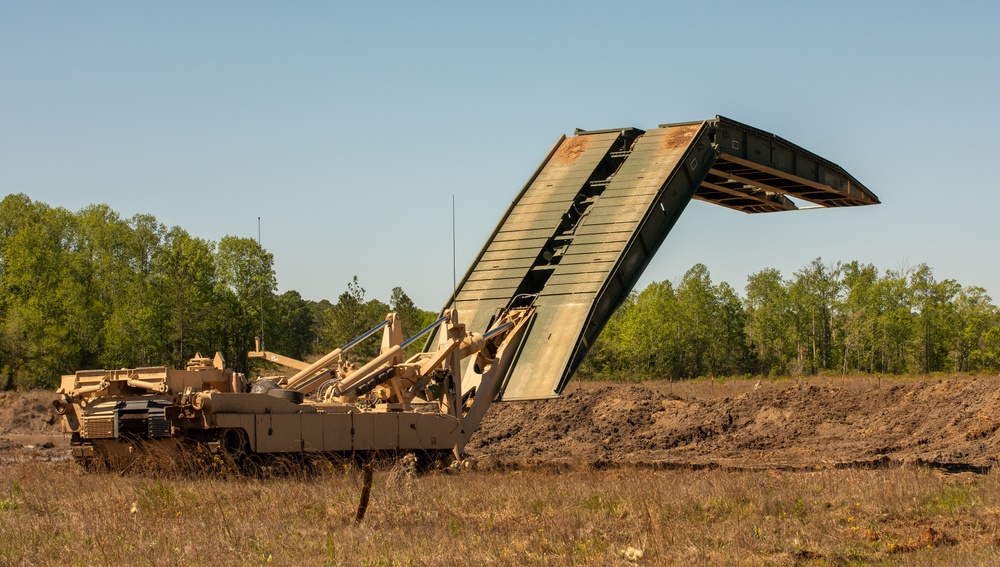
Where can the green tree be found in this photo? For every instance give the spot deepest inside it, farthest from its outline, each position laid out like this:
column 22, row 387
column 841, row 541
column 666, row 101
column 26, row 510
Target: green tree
column 730, row 352
column 976, row 316
column 894, row 324
column 712, row 323
column 48, row 327
column 813, row 295
column 935, row 316
column 114, row 258
column 770, row 322
column 413, row 318
column 291, row 325
column 245, row 285
column 858, row 315
column 606, row 358
column 989, row 356
column 324, row 328
column 352, row 315
column 647, row 341
column 695, row 311
column 132, row 333
column 183, row 277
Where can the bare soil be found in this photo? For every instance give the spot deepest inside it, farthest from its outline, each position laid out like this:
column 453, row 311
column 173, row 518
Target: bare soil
column 29, row 427
column 949, row 422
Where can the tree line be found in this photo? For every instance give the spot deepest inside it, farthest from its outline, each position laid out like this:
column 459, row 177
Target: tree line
column 826, row 318
column 90, row 289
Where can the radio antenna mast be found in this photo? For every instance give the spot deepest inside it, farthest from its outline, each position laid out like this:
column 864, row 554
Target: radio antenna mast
column 454, row 247
column 260, row 291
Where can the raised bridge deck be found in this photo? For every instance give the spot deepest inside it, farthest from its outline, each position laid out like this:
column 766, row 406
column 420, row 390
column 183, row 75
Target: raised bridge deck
column 578, row 236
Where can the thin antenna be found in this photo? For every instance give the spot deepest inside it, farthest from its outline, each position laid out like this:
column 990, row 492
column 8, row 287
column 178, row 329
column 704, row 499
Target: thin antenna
column 260, row 292
column 454, row 247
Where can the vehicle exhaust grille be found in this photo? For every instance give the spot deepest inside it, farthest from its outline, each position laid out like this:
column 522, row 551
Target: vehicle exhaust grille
column 132, row 424
column 158, row 425
column 99, row 427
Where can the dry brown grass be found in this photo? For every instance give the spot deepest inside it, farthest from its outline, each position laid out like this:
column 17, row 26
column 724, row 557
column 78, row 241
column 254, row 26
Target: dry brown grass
column 56, row 513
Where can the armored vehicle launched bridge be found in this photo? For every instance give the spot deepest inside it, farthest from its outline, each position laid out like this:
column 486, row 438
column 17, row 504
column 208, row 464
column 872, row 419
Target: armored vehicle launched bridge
column 565, row 255
column 576, row 239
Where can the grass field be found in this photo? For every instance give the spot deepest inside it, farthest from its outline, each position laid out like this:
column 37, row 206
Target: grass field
column 56, row 513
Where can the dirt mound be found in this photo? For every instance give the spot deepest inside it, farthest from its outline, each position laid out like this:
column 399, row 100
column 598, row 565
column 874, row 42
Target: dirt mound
column 952, row 423
column 29, row 426
column 28, row 413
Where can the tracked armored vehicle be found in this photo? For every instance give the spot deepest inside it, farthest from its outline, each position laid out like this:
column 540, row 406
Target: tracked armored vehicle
column 564, row 256
column 390, row 404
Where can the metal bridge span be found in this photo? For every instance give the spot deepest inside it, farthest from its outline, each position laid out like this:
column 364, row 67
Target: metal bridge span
column 578, row 236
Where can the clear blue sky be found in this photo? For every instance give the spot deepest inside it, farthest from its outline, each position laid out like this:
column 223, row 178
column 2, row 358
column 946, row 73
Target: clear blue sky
column 347, row 127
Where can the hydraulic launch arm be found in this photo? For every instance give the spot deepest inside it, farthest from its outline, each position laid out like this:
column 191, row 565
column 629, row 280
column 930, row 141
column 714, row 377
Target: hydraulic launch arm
column 437, row 375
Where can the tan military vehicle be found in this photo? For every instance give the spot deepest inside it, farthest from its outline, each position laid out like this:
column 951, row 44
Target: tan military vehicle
column 389, row 404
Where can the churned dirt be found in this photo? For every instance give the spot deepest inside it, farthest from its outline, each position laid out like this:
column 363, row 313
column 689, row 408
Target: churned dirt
column 746, row 424
column 949, row 422
column 29, row 427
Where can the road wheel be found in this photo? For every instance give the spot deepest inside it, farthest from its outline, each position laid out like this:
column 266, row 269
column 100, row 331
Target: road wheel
column 235, row 447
